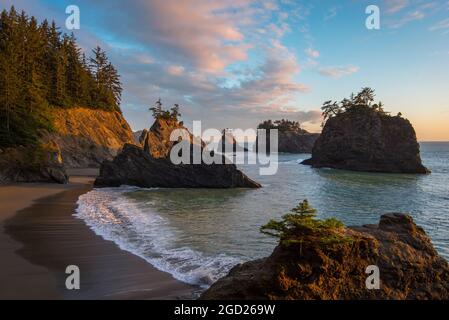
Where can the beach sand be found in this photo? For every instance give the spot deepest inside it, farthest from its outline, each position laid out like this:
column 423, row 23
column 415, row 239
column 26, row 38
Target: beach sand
column 40, row 237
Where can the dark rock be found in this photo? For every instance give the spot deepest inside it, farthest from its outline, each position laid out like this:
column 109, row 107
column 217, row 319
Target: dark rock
column 410, row 267
column 294, row 141
column 41, row 163
column 133, row 166
column 368, row 141
column 228, row 143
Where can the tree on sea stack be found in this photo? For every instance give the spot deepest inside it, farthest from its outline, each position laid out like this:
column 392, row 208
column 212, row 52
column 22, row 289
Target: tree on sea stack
column 159, row 112
column 157, row 109
column 359, row 102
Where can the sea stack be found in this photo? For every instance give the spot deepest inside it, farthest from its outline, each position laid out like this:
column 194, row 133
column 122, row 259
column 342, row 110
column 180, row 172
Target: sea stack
column 362, row 137
column 149, row 164
column 320, row 269
column 291, row 137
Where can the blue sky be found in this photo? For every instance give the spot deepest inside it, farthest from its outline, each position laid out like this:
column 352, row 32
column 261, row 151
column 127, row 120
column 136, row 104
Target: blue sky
column 234, row 63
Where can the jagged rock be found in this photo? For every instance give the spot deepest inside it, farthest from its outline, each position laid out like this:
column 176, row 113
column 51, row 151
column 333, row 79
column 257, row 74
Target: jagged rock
column 157, row 139
column 149, row 164
column 136, row 167
column 41, row 163
column 410, row 267
column 368, row 141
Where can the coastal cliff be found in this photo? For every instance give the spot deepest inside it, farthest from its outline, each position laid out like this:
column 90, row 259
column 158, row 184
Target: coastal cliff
column 149, row 165
column 87, row 137
column 80, row 138
column 318, row 267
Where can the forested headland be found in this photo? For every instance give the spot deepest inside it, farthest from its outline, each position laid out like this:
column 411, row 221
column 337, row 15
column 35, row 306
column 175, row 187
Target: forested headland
column 42, row 68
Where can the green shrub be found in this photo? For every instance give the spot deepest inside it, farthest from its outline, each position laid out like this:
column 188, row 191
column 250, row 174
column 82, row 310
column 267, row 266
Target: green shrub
column 300, row 225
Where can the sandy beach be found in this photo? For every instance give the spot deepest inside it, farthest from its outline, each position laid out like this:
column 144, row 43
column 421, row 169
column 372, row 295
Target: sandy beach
column 39, row 238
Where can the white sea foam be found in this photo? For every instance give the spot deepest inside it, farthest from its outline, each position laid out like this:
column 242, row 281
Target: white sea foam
column 115, row 217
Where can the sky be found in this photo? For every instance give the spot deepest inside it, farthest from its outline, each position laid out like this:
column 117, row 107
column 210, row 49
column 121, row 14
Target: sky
column 234, row 63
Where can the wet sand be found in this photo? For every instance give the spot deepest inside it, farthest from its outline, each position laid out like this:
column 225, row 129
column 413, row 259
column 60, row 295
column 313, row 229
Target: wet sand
column 40, row 237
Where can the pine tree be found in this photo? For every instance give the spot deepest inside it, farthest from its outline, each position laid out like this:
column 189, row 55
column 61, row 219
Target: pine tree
column 42, row 69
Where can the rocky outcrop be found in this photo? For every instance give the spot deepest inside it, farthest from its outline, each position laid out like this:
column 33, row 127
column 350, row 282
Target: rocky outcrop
column 137, row 167
column 409, row 266
column 42, row 163
column 228, row 143
column 368, row 141
column 149, row 164
column 296, row 142
column 87, row 137
column 157, row 141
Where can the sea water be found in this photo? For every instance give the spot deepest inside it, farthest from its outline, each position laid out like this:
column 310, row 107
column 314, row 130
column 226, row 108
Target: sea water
column 197, row 235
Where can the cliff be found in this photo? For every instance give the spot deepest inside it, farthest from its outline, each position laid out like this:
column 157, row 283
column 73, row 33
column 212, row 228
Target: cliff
column 80, row 138
column 87, row 137
column 365, row 140
column 409, row 267
column 149, row 165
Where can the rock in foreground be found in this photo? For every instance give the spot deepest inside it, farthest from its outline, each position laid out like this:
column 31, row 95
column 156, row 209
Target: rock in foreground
column 136, row 167
column 410, row 268
column 366, row 140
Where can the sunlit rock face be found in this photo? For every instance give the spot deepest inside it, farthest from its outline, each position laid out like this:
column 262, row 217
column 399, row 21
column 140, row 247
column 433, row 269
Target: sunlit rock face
column 408, row 267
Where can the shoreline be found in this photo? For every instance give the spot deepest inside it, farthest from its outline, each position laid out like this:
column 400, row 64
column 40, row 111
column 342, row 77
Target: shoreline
column 40, row 237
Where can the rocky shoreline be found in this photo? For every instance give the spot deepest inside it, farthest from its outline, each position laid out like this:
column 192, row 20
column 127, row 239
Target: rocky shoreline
column 409, row 267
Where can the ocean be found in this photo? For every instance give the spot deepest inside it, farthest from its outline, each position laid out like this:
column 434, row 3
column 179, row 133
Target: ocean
column 197, row 235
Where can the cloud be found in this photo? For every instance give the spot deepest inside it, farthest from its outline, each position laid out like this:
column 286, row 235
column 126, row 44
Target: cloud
column 331, row 13
column 196, row 53
column 441, row 25
column 338, row 71
column 409, row 17
column 312, row 53
column 175, row 70
column 394, row 6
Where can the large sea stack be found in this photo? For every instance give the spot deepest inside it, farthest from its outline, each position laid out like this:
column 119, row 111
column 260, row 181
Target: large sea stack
column 363, row 137
column 320, row 268
column 149, row 165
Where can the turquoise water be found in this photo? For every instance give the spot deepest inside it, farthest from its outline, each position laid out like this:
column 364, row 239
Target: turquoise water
column 198, row 235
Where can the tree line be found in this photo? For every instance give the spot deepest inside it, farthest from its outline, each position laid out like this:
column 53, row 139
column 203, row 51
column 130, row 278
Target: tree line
column 362, row 101
column 41, row 68
column 282, row 125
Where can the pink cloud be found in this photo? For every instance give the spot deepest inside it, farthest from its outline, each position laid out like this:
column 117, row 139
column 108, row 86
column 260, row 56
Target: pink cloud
column 198, row 29
column 394, row 6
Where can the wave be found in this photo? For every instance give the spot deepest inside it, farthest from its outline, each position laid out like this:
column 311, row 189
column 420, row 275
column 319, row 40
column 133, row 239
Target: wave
column 134, row 228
